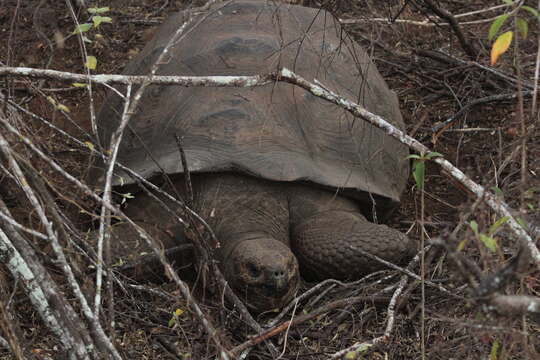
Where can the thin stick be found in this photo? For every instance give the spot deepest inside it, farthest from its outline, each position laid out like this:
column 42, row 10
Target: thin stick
column 446, row 15
column 354, row 350
column 57, row 248
column 301, row 319
column 184, row 289
column 422, row 274
column 286, row 75
column 187, row 175
column 405, row 271
column 188, row 81
column 487, row 99
column 495, row 203
column 536, row 76
column 429, row 21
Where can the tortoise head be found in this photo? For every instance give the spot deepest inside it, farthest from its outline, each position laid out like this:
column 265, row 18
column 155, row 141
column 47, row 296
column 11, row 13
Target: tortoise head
column 262, row 271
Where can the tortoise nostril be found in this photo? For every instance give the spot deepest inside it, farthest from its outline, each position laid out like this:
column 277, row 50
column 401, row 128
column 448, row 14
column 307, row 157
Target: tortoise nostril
column 278, row 274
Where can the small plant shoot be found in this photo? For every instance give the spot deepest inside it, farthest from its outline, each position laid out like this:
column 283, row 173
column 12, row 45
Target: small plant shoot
column 488, row 238
column 419, row 167
column 82, row 29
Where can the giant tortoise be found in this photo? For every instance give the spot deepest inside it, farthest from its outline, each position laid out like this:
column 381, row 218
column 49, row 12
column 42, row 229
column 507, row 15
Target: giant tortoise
column 285, row 179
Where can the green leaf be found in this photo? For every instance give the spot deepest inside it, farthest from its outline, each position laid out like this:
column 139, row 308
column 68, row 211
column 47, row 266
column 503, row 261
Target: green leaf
column 79, row 85
column 508, row 2
column 494, row 350
column 493, row 228
column 474, row 226
column 413, row 156
column 91, row 62
column 419, row 173
column 461, row 245
column 498, row 191
column 101, row 19
column 490, row 242
column 496, row 25
column 98, row 10
column 523, row 27
column 500, row 46
column 433, row 154
column 522, row 223
column 82, row 28
column 531, row 10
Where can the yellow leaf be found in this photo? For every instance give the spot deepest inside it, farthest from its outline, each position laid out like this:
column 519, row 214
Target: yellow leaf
column 91, row 62
column 89, row 145
column 176, row 314
column 62, row 107
column 500, row 46
column 78, row 85
column 51, row 100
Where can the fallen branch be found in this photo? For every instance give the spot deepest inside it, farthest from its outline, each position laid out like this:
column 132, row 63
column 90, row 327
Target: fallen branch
column 515, row 304
column 446, row 15
column 4, row 344
column 55, row 312
column 486, row 287
column 9, row 325
column 301, row 319
column 495, row 203
column 102, row 341
column 183, row 287
column 286, row 75
column 502, row 97
column 316, row 289
column 450, row 59
column 355, row 350
column 429, row 21
column 187, row 81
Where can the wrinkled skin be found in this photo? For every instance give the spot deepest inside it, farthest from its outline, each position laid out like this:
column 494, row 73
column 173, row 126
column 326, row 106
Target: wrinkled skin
column 268, row 231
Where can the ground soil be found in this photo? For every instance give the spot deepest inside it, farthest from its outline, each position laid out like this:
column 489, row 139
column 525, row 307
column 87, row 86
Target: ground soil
column 482, row 142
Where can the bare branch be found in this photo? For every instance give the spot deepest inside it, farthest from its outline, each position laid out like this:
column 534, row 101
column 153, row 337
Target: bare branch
column 429, row 21
column 286, row 75
column 188, row 81
column 515, row 304
column 273, row 331
column 355, row 350
column 42, row 292
column 446, row 15
column 104, row 342
column 495, row 203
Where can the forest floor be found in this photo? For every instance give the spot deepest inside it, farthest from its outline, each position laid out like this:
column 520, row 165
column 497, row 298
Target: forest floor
column 435, row 80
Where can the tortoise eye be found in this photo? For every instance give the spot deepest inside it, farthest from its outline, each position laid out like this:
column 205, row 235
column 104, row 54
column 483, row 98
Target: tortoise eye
column 253, row 270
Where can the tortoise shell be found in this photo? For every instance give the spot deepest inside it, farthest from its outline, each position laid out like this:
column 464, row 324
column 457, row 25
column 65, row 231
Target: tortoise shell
column 278, row 132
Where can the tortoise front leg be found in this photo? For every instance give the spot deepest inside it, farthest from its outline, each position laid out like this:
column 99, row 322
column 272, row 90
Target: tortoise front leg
column 327, row 230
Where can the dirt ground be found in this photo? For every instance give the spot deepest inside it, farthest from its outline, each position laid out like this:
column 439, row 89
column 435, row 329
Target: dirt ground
column 434, row 79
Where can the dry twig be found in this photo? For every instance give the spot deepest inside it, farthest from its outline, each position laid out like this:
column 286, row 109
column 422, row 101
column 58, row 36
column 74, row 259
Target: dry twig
column 288, row 76
column 355, row 350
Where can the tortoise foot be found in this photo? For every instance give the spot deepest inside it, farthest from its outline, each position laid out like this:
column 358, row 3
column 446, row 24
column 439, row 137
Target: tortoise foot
column 327, row 245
